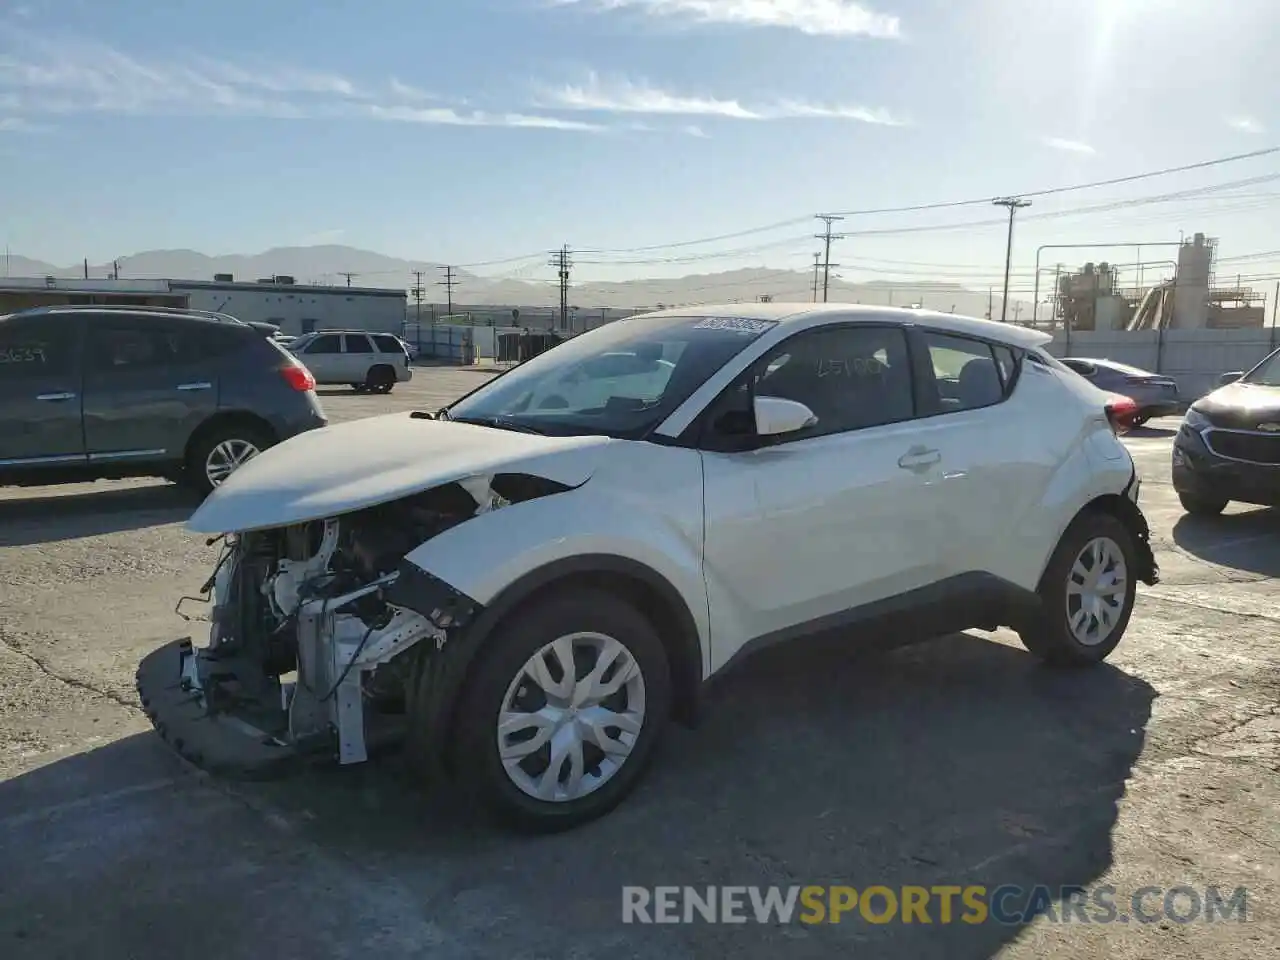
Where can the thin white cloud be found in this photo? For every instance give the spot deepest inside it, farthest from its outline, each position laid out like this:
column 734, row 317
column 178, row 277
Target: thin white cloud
column 447, row 116
column 322, row 238
column 627, row 96
column 834, row 18
column 1245, row 124
column 42, row 77
column 693, row 130
column 1069, row 146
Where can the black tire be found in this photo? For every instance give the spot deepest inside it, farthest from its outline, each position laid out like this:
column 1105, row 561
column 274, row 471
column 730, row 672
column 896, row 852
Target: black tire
column 1048, row 634
column 475, row 755
column 1202, row 506
column 359, row 387
column 197, row 472
column 380, row 379
column 1140, row 420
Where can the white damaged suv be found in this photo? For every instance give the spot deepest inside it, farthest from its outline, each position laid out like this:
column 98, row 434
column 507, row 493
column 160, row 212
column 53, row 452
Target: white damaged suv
column 524, row 587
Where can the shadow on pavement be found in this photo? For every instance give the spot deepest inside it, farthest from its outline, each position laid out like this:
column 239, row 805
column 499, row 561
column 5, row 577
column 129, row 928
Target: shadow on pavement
column 1148, row 432
column 1249, row 540
column 957, row 762
column 99, row 510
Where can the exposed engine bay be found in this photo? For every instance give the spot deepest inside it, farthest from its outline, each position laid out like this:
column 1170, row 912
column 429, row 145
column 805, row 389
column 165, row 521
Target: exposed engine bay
column 317, row 628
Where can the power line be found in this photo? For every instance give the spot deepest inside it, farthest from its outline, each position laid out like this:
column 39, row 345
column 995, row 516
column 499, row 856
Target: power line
column 942, row 205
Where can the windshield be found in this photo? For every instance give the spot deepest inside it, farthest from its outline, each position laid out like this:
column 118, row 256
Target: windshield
column 619, row 380
column 1265, row 374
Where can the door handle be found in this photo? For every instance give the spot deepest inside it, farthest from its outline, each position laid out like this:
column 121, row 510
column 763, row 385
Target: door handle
column 55, row 396
column 195, row 386
column 919, row 458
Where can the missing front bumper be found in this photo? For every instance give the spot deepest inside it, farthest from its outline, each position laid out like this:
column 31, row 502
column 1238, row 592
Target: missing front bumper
column 220, row 742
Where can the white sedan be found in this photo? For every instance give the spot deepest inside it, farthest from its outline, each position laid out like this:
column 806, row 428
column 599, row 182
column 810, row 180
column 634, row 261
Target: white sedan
column 524, row 587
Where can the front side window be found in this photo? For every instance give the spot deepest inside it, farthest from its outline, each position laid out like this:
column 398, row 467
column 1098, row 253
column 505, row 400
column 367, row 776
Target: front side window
column 966, row 372
column 851, row 378
column 621, row 379
column 325, row 343
column 35, row 347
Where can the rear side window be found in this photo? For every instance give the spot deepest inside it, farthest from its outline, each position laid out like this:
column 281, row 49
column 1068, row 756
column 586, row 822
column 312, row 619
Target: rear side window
column 325, row 343
column 970, row 374
column 358, row 343
column 387, row 343
column 36, row 347
column 117, row 344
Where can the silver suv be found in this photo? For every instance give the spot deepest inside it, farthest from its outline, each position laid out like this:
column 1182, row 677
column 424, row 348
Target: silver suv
column 369, row 362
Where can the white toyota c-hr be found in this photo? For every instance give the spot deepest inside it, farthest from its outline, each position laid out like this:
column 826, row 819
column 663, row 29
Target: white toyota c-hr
column 524, row 587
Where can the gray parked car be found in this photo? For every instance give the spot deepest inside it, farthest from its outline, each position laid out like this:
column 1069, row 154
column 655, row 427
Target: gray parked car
column 106, row 392
column 1155, row 395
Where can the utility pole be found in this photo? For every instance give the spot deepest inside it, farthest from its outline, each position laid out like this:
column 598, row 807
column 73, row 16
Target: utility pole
column 826, row 237
column 86, row 268
column 348, row 276
column 560, row 260
column 417, row 293
column 990, row 302
column 115, row 269
column 817, row 262
column 1014, row 204
column 450, row 278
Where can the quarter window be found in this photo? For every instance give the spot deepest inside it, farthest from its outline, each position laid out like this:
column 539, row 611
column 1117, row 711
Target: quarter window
column 387, row 343
column 851, row 377
column 968, row 373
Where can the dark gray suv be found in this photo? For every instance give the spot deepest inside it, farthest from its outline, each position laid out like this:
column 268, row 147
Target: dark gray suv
column 100, row 392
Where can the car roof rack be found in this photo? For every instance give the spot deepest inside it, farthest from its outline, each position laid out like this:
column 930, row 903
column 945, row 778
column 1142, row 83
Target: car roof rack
column 142, row 308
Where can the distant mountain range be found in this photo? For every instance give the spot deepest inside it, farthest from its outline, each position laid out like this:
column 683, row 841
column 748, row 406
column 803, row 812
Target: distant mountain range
column 330, row 264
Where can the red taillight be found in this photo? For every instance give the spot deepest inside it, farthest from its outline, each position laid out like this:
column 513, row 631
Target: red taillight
column 1120, row 414
column 298, row 377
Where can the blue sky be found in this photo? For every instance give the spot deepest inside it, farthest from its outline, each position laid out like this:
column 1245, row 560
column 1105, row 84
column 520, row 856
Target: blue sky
column 480, row 130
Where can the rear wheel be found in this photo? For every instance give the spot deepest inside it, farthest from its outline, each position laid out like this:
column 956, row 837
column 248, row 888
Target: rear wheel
column 1202, row 506
column 380, row 379
column 1086, row 594
column 1139, row 420
column 221, row 451
column 563, row 712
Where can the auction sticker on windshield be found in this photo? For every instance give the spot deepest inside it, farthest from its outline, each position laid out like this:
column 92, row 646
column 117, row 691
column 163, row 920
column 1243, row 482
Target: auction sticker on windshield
column 743, row 325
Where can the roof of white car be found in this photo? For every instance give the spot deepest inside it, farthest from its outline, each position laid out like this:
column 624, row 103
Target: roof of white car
column 795, row 313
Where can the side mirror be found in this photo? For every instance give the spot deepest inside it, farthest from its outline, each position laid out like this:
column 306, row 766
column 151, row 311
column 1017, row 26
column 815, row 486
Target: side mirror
column 1231, row 377
column 775, row 416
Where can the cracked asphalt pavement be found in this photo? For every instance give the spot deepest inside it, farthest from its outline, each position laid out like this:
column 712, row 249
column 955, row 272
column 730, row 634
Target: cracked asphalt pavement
column 958, row 761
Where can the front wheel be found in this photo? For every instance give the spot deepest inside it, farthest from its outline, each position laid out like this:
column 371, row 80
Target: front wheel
column 561, row 717
column 1086, row 594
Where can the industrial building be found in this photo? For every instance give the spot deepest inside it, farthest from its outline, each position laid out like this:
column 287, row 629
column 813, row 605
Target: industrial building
column 1094, row 299
column 295, row 308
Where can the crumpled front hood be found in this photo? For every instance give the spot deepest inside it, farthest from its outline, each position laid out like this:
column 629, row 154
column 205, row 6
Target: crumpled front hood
column 338, row 469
